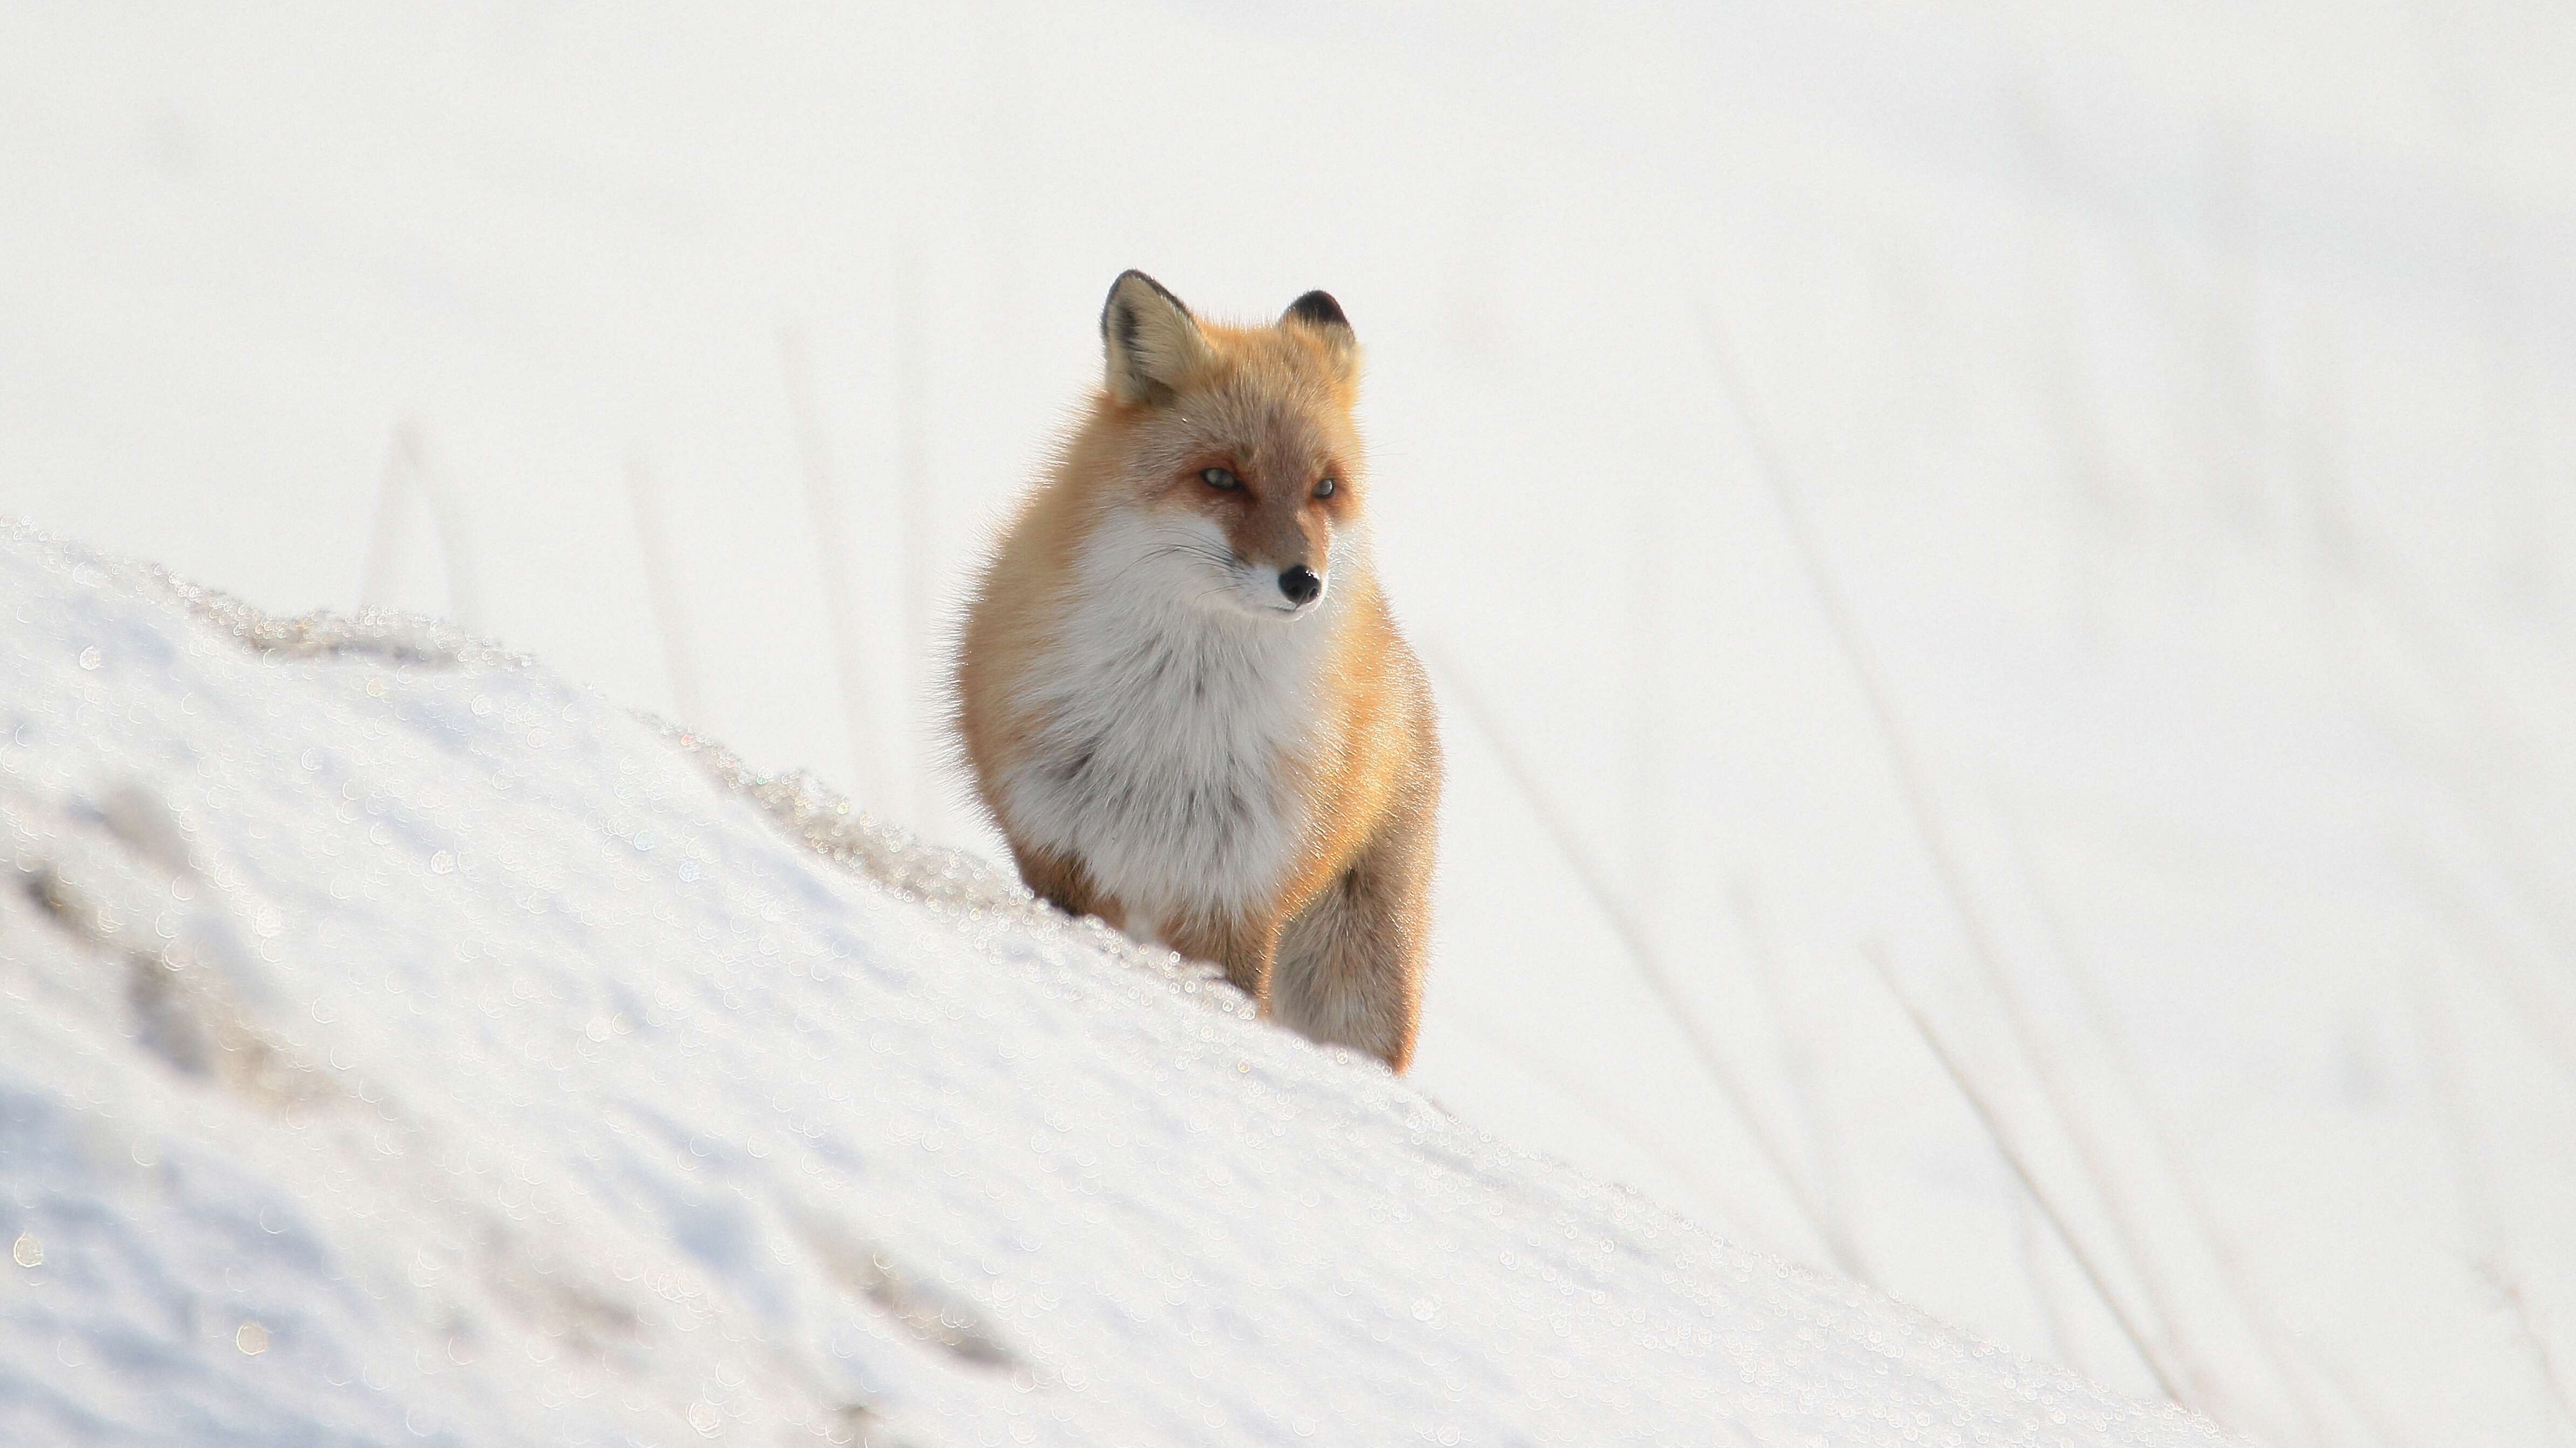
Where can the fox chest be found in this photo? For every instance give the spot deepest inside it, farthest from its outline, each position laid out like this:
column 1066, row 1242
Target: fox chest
column 1170, row 771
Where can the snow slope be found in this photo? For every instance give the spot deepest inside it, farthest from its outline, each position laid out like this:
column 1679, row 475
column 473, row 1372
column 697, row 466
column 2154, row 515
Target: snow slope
column 402, row 1045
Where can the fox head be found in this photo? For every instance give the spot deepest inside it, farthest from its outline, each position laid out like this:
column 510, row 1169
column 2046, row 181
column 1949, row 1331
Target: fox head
column 1227, row 465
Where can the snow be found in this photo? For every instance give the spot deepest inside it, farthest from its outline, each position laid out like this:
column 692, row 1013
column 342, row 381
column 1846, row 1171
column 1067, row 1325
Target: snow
column 402, row 1044
column 2181, row 403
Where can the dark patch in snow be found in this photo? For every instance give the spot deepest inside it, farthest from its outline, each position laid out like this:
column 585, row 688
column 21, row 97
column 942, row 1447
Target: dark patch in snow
column 939, row 1320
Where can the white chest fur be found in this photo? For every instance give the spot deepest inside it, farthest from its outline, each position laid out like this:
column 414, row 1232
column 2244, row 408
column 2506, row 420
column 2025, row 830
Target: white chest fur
column 1170, row 728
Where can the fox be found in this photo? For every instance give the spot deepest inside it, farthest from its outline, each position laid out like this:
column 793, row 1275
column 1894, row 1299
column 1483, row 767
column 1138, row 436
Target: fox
column 1179, row 689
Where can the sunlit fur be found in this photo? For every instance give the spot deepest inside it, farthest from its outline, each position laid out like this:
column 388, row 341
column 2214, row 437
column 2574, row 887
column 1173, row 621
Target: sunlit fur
column 1164, row 738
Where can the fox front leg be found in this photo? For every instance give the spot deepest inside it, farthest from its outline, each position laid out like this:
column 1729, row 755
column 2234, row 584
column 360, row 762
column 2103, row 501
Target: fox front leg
column 1061, row 881
column 1350, row 965
column 1245, row 948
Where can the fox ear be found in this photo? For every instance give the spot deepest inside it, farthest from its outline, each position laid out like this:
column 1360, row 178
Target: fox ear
column 1152, row 341
column 1319, row 313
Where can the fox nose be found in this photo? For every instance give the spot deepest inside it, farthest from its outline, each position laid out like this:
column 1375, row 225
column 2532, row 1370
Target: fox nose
column 1300, row 584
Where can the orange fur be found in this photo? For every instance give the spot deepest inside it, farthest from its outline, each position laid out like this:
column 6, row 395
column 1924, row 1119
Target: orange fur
column 1327, row 929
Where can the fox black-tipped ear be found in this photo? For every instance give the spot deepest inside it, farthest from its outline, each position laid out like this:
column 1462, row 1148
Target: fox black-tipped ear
column 1318, row 312
column 1317, row 309
column 1152, row 341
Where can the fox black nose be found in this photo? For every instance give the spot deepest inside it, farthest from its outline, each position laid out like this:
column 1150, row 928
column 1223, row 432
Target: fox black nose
column 1300, row 584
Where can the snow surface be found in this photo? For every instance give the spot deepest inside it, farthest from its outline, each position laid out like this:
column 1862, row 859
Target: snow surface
column 403, row 1045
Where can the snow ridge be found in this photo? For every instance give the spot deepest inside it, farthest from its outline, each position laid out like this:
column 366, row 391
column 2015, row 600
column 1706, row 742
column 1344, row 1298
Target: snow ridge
column 402, row 1046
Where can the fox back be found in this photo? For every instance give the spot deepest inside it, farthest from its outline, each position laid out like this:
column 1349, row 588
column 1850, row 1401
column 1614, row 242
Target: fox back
column 1180, row 691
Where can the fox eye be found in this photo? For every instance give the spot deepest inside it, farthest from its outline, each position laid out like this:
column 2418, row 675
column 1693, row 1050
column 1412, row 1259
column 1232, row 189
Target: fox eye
column 1220, row 479
column 1326, row 488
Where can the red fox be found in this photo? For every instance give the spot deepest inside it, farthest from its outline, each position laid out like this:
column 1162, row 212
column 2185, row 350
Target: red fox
column 1180, row 692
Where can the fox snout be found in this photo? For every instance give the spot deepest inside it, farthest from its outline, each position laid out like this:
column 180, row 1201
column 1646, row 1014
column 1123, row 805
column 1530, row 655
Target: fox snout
column 1286, row 539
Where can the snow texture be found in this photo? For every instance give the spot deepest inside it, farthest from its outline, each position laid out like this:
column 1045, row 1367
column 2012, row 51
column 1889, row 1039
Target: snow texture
column 401, row 1045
